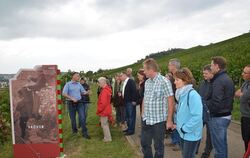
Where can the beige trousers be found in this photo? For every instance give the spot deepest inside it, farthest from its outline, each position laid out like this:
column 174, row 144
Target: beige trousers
column 105, row 127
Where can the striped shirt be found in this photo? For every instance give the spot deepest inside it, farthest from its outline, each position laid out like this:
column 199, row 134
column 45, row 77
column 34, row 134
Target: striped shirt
column 157, row 90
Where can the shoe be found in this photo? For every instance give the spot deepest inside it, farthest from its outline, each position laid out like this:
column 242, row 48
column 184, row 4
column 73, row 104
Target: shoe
column 129, row 134
column 87, row 137
column 74, row 132
column 176, row 148
column 170, row 144
column 205, row 155
column 125, row 131
column 106, row 141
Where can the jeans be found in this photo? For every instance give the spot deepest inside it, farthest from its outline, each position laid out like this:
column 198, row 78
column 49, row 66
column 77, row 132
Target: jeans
column 131, row 116
column 86, row 114
column 86, row 110
column 154, row 132
column 188, row 148
column 245, row 130
column 218, row 132
column 80, row 109
column 175, row 137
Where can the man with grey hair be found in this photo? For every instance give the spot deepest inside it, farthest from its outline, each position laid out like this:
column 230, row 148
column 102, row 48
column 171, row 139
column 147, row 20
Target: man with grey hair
column 173, row 66
column 129, row 73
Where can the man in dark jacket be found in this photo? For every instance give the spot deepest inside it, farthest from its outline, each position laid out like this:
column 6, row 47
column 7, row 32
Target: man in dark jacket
column 220, row 106
column 205, row 91
column 130, row 96
column 244, row 94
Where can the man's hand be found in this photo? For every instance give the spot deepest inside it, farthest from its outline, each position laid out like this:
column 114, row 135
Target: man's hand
column 119, row 94
column 238, row 93
column 73, row 99
column 174, row 126
column 90, row 92
column 169, row 125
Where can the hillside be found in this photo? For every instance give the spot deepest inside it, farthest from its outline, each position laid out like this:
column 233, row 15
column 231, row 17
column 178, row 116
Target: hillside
column 235, row 50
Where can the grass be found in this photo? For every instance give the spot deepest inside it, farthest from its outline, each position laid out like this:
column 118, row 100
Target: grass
column 77, row 147
column 6, row 150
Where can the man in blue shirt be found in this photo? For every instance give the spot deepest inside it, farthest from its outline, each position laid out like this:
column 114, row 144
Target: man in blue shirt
column 73, row 91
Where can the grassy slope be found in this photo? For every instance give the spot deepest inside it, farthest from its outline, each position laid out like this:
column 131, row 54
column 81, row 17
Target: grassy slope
column 235, row 50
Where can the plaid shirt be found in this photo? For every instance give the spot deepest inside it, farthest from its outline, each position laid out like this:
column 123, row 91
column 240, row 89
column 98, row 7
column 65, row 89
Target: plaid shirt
column 157, row 91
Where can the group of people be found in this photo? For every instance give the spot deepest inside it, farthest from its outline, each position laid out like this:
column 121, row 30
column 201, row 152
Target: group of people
column 173, row 102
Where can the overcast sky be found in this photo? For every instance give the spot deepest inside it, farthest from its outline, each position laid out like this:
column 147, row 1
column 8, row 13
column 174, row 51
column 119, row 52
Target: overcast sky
column 92, row 34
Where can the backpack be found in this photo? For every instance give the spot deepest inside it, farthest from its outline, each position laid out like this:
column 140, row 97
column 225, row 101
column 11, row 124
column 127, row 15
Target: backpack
column 205, row 110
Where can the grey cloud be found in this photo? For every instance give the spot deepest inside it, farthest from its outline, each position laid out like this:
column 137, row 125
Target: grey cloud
column 25, row 19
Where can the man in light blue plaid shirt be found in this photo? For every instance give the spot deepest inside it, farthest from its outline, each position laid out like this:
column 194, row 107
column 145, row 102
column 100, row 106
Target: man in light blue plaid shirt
column 157, row 91
column 157, row 108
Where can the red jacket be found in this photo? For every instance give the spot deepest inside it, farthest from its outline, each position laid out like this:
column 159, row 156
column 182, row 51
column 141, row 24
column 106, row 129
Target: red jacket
column 103, row 104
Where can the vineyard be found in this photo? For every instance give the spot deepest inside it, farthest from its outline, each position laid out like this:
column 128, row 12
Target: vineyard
column 235, row 50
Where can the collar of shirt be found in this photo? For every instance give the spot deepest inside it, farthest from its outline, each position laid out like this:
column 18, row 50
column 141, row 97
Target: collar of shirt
column 155, row 78
column 124, row 85
column 74, row 82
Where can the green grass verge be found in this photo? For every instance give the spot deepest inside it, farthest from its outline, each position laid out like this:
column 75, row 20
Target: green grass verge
column 77, row 147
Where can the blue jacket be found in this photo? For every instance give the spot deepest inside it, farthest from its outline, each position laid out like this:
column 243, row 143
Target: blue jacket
column 189, row 117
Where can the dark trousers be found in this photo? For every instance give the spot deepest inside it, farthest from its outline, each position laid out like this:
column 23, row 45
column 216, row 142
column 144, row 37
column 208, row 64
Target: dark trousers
column 80, row 109
column 245, row 130
column 188, row 148
column 130, row 116
column 23, row 125
column 120, row 114
column 209, row 147
column 154, row 132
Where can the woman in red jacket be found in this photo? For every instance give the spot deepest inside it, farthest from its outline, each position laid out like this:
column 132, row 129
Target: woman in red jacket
column 104, row 109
